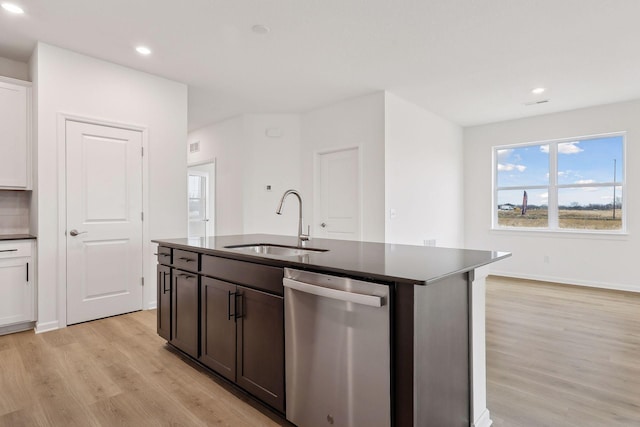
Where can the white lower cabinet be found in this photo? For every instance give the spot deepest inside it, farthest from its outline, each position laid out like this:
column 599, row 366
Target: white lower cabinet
column 17, row 293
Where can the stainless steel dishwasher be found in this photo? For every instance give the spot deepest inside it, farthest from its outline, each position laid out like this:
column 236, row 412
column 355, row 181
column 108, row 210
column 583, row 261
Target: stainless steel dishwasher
column 337, row 351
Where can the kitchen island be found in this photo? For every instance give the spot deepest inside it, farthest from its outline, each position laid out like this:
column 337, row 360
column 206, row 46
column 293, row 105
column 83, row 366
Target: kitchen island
column 221, row 301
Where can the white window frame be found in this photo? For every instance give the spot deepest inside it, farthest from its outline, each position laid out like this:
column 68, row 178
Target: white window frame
column 552, row 187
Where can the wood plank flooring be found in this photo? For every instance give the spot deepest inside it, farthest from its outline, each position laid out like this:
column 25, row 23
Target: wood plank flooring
column 113, row 372
column 561, row 355
column 556, row 356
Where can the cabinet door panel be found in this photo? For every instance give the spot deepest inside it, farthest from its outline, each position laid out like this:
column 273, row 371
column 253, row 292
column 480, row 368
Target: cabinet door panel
column 218, row 327
column 16, row 304
column 164, row 302
column 260, row 355
column 184, row 314
column 13, row 136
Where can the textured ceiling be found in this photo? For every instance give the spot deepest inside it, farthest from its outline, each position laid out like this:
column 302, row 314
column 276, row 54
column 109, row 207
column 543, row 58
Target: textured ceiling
column 471, row 61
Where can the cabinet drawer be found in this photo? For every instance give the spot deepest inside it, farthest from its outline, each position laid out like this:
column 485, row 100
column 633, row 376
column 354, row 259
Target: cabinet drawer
column 164, row 255
column 15, row 249
column 245, row 273
column 185, row 260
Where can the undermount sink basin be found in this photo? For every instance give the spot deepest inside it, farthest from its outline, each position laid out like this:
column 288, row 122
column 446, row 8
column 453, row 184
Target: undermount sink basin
column 276, row 250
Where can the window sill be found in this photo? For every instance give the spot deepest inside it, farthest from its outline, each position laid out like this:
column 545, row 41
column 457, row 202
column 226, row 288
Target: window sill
column 568, row 234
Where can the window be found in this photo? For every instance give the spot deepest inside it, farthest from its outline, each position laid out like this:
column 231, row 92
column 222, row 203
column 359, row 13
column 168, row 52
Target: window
column 569, row 184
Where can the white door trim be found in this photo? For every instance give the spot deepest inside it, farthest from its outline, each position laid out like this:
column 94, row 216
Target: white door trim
column 201, row 162
column 214, row 201
column 62, row 207
column 316, row 184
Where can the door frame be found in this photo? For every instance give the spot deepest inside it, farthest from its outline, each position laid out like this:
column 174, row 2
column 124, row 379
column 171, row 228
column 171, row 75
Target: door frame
column 62, row 209
column 210, row 200
column 317, row 211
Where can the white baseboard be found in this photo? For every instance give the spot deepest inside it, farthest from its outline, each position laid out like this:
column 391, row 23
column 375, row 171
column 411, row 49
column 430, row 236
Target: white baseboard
column 484, row 420
column 564, row 281
column 18, row 327
column 152, row 305
column 47, row 326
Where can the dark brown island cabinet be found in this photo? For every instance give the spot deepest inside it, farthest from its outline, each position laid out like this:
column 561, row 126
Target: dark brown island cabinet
column 228, row 315
column 225, row 309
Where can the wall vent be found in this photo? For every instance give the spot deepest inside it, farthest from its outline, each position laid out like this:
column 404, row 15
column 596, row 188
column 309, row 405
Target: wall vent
column 194, row 147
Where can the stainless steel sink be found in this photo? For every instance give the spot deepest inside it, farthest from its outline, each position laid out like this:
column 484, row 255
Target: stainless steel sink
column 275, row 250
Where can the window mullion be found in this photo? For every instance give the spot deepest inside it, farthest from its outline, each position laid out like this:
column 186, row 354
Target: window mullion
column 553, row 186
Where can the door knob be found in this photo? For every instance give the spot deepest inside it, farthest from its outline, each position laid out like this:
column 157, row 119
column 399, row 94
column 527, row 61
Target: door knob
column 75, row 232
column 323, row 225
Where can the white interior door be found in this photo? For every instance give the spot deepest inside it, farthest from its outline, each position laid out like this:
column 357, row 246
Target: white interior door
column 339, row 194
column 104, row 221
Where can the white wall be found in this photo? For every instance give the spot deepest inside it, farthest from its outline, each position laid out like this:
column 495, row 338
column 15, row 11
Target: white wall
column 588, row 259
column 247, row 160
column 358, row 121
column 271, row 161
column 224, row 142
column 14, row 69
column 67, row 82
column 423, row 176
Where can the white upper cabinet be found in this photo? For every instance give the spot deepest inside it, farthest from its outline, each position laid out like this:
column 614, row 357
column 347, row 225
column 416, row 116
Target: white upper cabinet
column 15, row 134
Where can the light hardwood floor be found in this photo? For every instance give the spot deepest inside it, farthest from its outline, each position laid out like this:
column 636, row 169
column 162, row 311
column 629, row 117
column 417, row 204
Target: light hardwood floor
column 562, row 355
column 112, row 372
column 556, row 356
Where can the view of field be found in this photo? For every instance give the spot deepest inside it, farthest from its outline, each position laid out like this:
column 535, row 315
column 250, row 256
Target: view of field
column 579, row 219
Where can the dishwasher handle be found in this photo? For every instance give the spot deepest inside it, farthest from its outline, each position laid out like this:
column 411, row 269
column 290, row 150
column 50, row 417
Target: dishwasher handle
column 321, row 291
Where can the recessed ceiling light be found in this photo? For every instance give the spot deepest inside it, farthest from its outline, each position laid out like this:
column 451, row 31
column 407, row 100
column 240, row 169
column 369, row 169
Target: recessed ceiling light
column 260, row 29
column 10, row 7
column 538, row 90
column 143, row 50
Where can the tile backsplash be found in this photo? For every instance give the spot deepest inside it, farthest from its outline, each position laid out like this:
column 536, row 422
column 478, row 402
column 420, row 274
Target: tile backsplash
column 14, row 212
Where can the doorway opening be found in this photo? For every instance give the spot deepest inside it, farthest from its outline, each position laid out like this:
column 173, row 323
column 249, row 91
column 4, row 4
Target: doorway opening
column 201, row 203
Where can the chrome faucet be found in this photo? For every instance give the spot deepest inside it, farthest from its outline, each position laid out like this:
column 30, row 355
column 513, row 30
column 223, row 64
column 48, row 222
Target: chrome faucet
column 301, row 237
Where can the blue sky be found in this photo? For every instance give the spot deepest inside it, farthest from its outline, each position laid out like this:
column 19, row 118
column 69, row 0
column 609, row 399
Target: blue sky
column 579, row 162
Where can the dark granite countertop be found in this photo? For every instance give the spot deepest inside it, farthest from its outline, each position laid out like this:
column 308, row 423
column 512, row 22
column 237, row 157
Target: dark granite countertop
column 418, row 265
column 16, row 237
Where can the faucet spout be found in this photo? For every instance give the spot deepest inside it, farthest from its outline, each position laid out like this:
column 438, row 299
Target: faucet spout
column 301, row 236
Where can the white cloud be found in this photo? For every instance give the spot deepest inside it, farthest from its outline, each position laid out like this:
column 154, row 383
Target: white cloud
column 569, row 147
column 544, row 196
column 507, row 167
column 564, row 148
column 585, row 181
column 504, row 154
